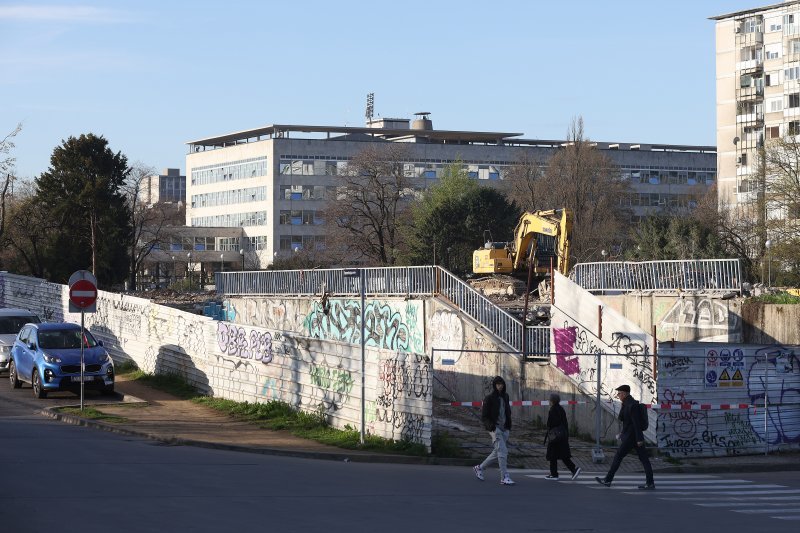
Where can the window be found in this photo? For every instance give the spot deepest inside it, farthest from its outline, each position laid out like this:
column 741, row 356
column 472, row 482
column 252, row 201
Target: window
column 743, row 159
column 775, row 104
column 794, row 100
column 792, row 73
column 773, row 78
column 773, row 132
column 794, row 46
column 773, row 51
column 746, row 81
column 793, row 127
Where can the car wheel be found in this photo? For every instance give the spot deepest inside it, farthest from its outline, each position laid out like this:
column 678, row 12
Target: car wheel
column 12, row 376
column 38, row 390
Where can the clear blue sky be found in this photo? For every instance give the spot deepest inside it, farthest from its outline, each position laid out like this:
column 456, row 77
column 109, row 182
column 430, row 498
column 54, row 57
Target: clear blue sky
column 151, row 75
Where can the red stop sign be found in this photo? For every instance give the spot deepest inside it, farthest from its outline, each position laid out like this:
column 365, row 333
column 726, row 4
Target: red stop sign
column 83, row 293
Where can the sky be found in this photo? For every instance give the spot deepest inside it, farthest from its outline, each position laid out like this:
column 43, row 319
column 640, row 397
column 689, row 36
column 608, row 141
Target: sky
column 151, row 75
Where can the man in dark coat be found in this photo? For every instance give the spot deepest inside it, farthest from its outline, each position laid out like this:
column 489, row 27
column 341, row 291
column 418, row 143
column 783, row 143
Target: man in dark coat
column 631, row 438
column 496, row 418
column 558, row 448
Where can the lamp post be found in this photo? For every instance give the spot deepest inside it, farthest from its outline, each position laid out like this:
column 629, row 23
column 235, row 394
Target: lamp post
column 241, row 252
column 174, row 272
column 189, row 269
column 768, row 244
column 222, row 262
column 604, row 253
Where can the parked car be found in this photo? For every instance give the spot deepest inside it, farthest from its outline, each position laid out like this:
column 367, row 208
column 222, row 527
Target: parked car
column 11, row 321
column 48, row 356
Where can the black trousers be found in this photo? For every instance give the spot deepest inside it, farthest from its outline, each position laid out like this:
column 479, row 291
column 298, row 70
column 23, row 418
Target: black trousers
column 554, row 466
column 622, row 451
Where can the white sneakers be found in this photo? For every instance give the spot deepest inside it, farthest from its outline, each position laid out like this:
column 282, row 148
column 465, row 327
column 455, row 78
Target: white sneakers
column 576, row 473
column 479, row 474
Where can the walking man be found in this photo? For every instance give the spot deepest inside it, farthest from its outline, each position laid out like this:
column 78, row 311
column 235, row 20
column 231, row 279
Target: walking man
column 631, row 438
column 496, row 418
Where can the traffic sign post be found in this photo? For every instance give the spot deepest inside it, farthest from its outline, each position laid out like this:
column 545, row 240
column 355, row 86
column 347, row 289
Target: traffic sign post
column 83, row 299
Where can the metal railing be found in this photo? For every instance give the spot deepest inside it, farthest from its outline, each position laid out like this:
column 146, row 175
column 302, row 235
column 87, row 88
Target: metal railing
column 391, row 281
column 683, row 275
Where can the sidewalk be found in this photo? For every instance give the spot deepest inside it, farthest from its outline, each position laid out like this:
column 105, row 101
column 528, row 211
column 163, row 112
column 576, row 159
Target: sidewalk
column 157, row 415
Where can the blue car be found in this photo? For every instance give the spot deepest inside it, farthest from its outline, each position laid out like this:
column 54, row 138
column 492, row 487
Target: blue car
column 48, row 356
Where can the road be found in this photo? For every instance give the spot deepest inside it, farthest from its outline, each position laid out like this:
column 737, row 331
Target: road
column 72, row 478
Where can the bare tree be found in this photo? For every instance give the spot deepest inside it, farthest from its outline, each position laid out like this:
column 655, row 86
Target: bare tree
column 580, row 177
column 6, row 172
column 365, row 220
column 150, row 223
column 29, row 229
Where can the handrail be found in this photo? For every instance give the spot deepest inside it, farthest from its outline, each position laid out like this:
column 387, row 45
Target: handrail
column 673, row 275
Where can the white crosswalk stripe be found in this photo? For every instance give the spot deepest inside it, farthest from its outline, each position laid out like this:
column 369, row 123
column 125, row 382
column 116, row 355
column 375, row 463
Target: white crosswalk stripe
column 735, row 495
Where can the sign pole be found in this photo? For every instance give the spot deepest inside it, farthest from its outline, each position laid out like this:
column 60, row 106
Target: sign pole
column 82, row 365
column 363, row 362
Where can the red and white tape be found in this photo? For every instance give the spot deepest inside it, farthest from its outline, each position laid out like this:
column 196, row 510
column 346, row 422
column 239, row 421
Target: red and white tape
column 663, row 406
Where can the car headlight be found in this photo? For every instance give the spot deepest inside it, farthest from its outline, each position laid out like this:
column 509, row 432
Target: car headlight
column 51, row 358
column 5, row 350
column 104, row 357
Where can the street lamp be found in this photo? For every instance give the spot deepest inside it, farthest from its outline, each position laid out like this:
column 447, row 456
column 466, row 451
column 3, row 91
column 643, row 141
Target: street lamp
column 604, row 254
column 222, row 262
column 241, row 252
column 768, row 244
column 174, row 272
column 189, row 269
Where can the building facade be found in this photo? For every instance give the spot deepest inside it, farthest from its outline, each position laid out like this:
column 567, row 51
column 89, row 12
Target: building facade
column 758, row 93
column 273, row 182
column 167, row 187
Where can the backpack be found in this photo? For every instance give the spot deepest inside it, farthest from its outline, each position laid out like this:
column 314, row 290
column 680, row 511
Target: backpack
column 644, row 420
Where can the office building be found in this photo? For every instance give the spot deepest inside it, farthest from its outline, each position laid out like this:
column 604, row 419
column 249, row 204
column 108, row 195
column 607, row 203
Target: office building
column 273, row 181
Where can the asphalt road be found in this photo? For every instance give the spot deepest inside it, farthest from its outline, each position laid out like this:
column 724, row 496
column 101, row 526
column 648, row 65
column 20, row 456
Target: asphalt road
column 72, row 478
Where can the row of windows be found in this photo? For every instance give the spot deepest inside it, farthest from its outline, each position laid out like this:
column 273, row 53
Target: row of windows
column 235, row 196
column 658, row 200
column 306, row 192
column 672, row 177
column 189, row 244
column 229, row 220
column 172, row 188
column 297, row 217
column 301, row 242
column 410, row 170
column 235, row 170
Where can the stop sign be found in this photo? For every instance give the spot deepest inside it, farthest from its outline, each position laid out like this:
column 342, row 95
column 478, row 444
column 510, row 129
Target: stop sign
column 83, row 293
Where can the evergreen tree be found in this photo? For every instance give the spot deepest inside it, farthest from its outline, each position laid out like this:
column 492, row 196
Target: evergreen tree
column 82, row 189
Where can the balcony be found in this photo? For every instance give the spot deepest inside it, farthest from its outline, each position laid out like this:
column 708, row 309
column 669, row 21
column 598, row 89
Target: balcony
column 749, row 118
column 752, row 65
column 750, row 93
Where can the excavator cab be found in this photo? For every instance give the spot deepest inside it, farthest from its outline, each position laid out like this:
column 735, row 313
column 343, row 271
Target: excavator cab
column 493, row 258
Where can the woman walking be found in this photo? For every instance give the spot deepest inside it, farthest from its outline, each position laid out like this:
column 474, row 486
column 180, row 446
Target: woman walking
column 558, row 439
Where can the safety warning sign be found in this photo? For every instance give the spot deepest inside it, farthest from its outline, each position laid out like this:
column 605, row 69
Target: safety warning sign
column 724, row 368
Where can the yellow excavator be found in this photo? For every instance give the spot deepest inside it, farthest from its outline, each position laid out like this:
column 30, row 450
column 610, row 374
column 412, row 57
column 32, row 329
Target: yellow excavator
column 539, row 237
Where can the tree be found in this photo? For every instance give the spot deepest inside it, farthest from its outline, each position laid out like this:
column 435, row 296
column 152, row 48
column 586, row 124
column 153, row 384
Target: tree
column 453, row 214
column 6, row 172
column 580, row 177
column 82, row 189
column 149, row 223
column 365, row 220
column 29, row 228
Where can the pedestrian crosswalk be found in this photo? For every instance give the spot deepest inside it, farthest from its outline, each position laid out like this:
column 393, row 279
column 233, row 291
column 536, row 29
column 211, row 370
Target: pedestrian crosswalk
column 735, row 495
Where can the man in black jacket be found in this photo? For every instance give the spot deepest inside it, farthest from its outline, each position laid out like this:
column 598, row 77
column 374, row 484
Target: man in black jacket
column 631, row 438
column 496, row 418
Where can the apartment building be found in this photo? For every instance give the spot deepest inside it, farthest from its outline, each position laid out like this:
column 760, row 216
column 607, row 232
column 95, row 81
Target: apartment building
column 758, row 93
column 167, row 187
column 273, row 181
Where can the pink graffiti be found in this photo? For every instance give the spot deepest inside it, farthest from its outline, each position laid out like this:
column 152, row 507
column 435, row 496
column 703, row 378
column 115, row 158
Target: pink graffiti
column 566, row 360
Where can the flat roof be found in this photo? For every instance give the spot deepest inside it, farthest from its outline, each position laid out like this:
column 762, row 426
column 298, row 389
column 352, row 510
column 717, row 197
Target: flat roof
column 276, row 131
column 754, row 10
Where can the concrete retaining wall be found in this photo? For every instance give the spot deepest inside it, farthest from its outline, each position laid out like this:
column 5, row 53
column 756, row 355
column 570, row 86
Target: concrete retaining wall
column 247, row 363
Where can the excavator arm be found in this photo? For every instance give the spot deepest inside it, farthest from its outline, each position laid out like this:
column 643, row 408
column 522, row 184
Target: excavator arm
column 556, row 223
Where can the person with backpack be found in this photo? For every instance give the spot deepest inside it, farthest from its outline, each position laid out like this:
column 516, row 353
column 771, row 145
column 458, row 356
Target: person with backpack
column 496, row 418
column 558, row 439
column 632, row 437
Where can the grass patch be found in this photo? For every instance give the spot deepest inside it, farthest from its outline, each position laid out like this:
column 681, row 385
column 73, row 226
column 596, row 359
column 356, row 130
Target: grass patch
column 93, row 414
column 276, row 415
column 777, row 298
column 171, row 383
column 444, row 445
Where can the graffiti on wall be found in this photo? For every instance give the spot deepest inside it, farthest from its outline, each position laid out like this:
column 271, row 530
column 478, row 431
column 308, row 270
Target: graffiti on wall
column 384, row 327
column 240, row 342
column 446, row 332
column 701, row 319
column 775, row 374
column 564, row 340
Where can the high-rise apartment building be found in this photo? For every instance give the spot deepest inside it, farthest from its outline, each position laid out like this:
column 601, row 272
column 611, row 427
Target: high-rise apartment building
column 758, row 93
column 273, row 182
column 167, row 187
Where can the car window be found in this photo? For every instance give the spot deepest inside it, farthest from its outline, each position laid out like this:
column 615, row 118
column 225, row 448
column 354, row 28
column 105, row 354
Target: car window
column 55, row 339
column 24, row 334
column 12, row 324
